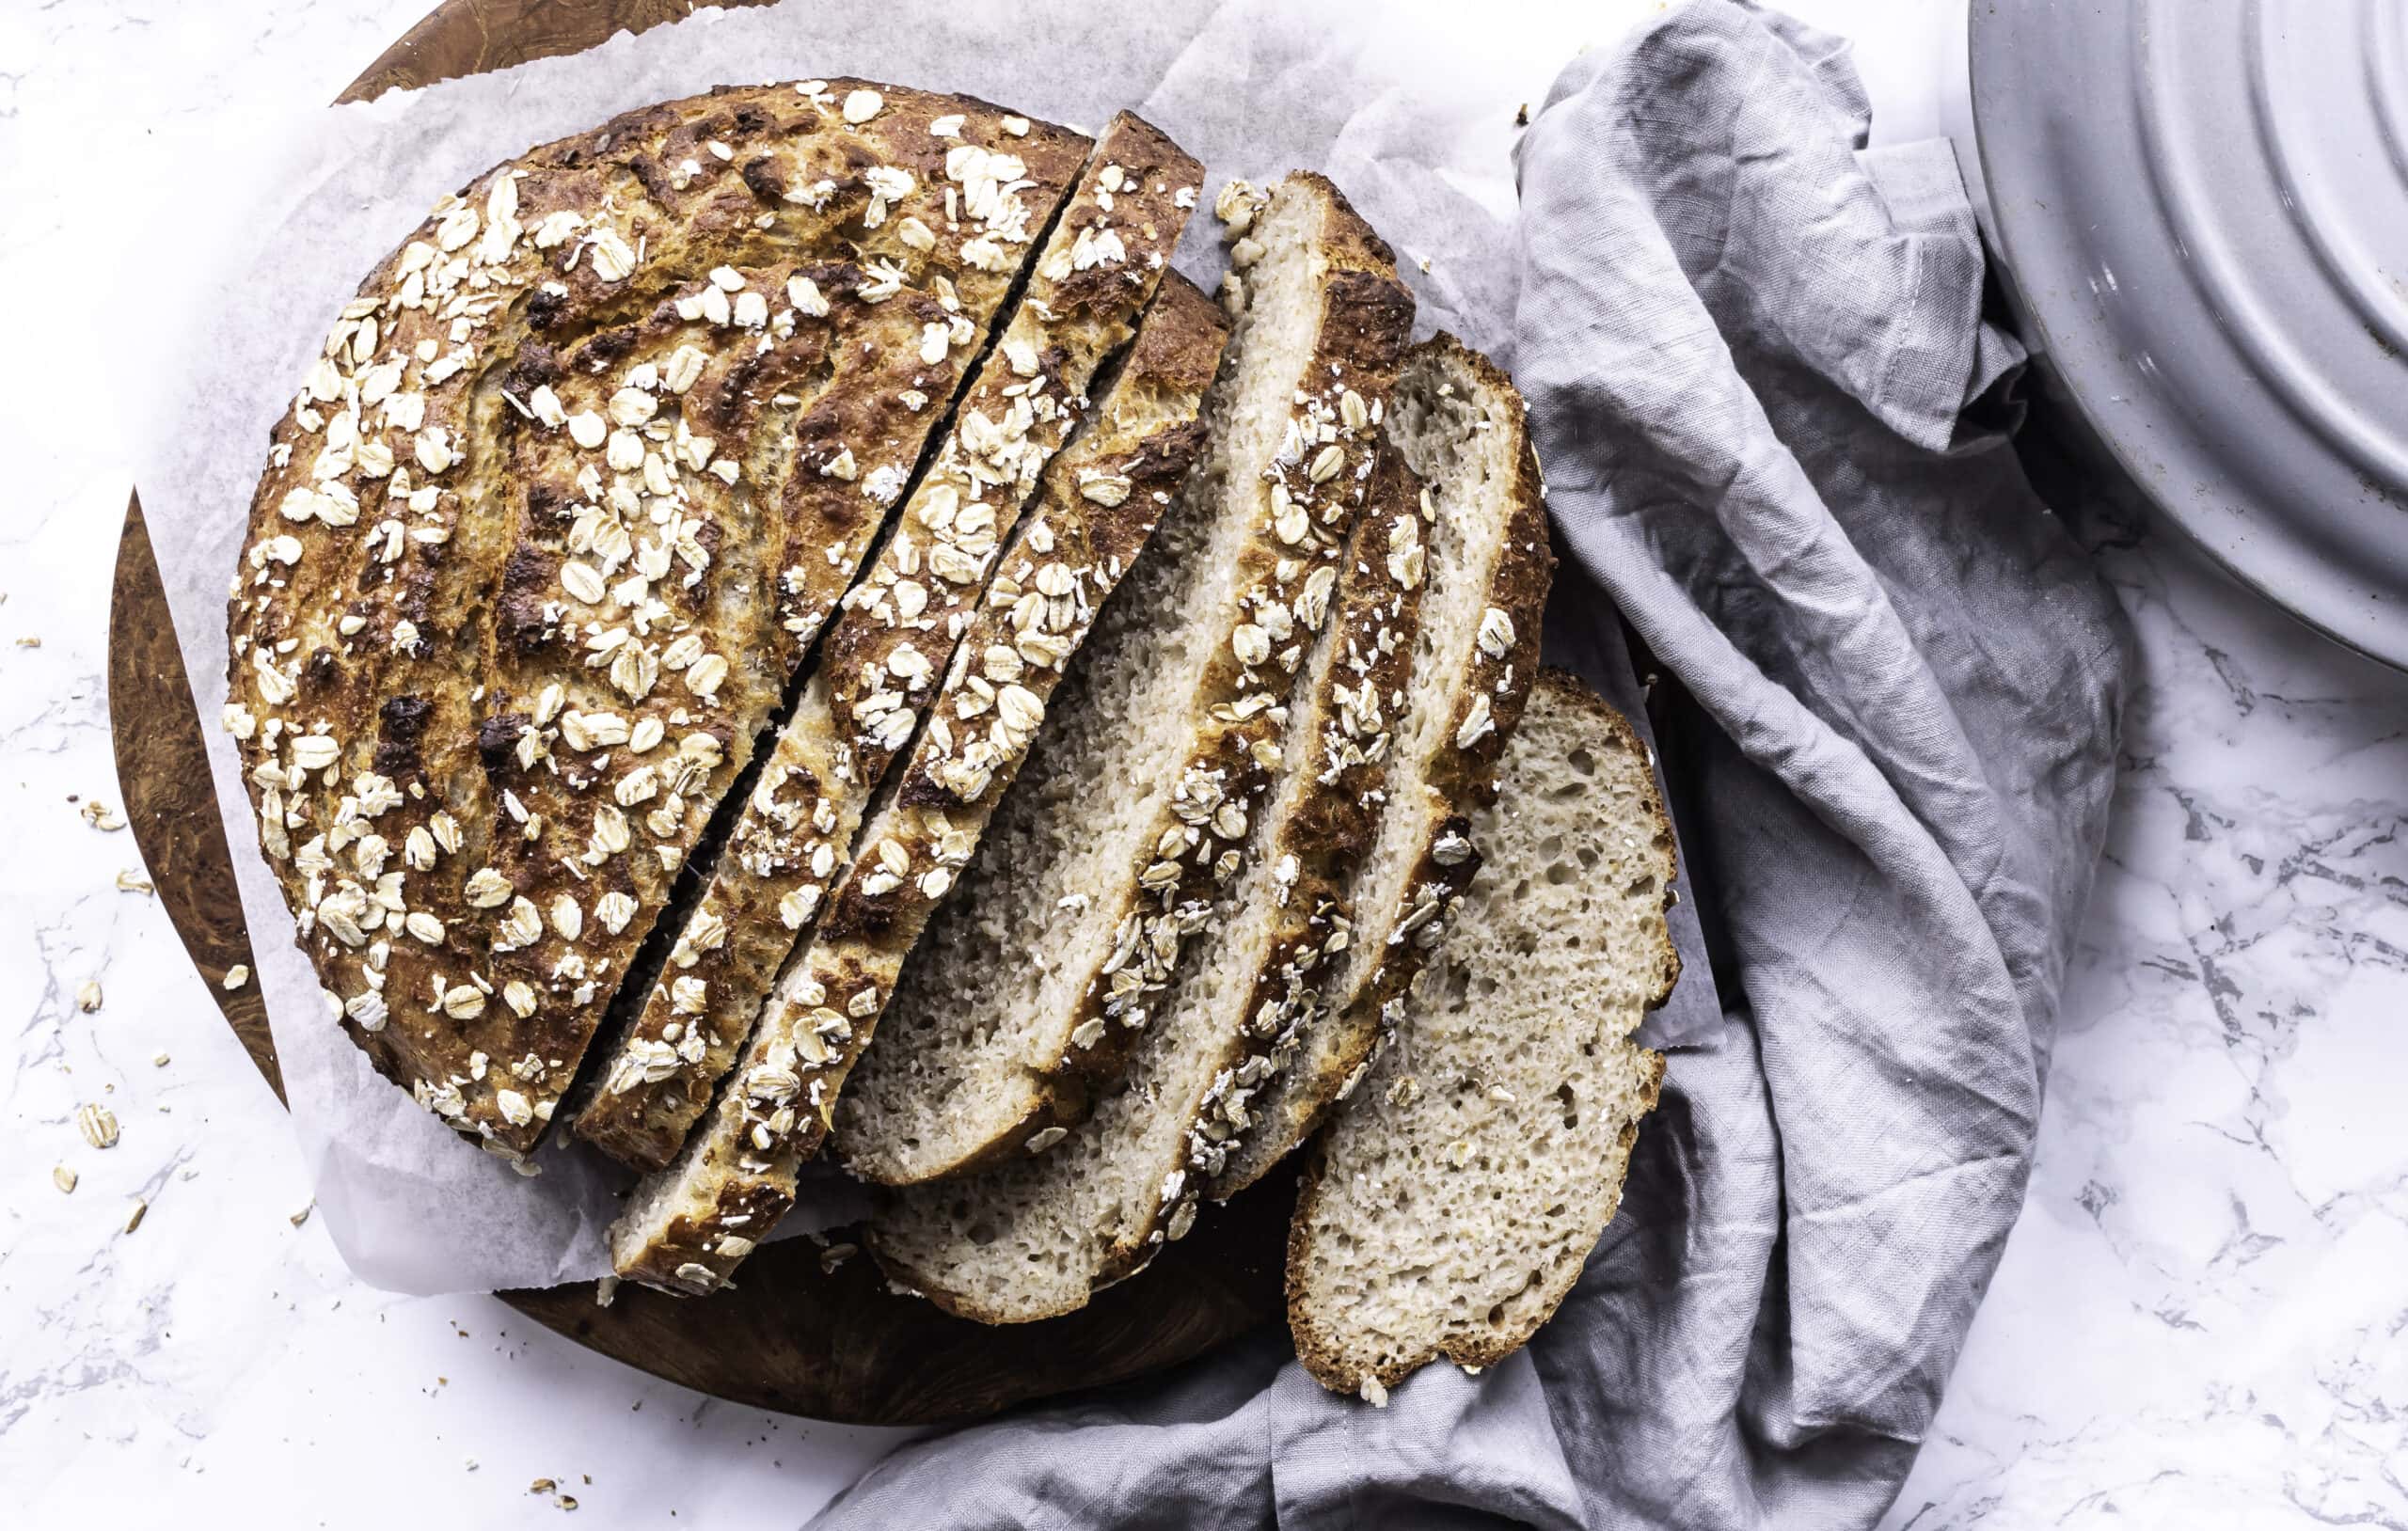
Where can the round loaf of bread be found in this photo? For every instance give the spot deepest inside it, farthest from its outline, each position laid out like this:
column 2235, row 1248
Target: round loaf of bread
column 553, row 520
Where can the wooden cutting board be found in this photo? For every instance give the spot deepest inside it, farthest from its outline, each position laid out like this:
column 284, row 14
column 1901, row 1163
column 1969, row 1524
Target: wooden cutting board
column 791, row 1337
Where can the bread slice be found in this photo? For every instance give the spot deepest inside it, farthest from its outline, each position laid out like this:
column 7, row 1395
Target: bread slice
column 1471, row 641
column 1100, row 266
column 503, row 634
column 1099, row 503
column 1130, row 819
column 1036, row 1236
column 1453, row 1201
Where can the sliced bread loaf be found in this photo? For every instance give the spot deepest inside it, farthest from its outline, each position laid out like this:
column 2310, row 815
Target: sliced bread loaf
column 1131, row 817
column 502, row 637
column 1099, row 267
column 1471, row 638
column 1090, row 1204
column 1453, row 1201
column 1099, row 501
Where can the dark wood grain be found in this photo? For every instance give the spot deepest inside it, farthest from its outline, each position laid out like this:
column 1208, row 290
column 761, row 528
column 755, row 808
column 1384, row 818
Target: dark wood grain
column 163, row 774
column 833, row 1345
column 472, row 36
column 841, row 1345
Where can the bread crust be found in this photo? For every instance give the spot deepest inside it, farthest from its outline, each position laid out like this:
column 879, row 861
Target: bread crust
column 1317, row 1346
column 1073, row 552
column 889, row 644
column 1366, row 322
column 400, row 604
column 1461, row 778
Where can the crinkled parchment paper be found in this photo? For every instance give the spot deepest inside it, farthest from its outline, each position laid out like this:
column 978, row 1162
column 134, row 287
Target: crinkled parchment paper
column 1411, row 112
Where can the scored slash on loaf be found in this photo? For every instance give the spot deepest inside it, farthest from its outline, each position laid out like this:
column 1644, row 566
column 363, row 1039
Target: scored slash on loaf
column 791, row 572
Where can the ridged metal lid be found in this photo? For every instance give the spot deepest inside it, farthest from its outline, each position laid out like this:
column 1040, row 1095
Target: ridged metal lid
column 2204, row 205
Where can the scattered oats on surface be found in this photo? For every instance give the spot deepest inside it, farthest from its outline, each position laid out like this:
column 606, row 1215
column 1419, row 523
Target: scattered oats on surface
column 97, row 1124
column 302, row 1216
column 87, row 995
column 159, row 1060
column 64, row 1179
column 133, row 1218
column 135, row 882
column 236, row 977
column 100, row 815
column 605, row 1291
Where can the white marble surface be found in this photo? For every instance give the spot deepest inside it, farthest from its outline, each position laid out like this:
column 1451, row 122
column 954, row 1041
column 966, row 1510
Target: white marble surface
column 2199, row 1322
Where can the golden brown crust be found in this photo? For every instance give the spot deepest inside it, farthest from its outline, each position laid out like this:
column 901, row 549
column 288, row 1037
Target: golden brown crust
column 1321, row 1352
column 1461, row 781
column 407, row 538
column 887, row 650
column 1013, row 654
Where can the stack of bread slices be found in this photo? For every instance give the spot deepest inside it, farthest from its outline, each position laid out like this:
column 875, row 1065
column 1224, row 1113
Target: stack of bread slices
column 782, row 626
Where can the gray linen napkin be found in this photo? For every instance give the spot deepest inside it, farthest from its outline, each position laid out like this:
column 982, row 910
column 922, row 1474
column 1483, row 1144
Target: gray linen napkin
column 1756, row 364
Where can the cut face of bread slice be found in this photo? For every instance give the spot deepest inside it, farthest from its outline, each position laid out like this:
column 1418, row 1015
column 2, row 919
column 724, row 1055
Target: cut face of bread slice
column 1099, row 501
column 890, row 645
column 1132, row 818
column 1034, row 1236
column 1453, row 1200
column 505, row 632
column 1472, row 628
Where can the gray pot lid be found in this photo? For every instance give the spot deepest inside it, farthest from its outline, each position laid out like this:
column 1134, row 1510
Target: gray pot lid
column 2204, row 208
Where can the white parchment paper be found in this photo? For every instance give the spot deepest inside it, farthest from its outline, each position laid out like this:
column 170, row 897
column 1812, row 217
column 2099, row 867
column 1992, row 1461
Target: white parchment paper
column 1414, row 122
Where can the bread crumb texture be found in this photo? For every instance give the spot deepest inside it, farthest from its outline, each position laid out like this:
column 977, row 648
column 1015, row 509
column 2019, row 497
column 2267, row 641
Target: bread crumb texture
column 1458, row 1194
